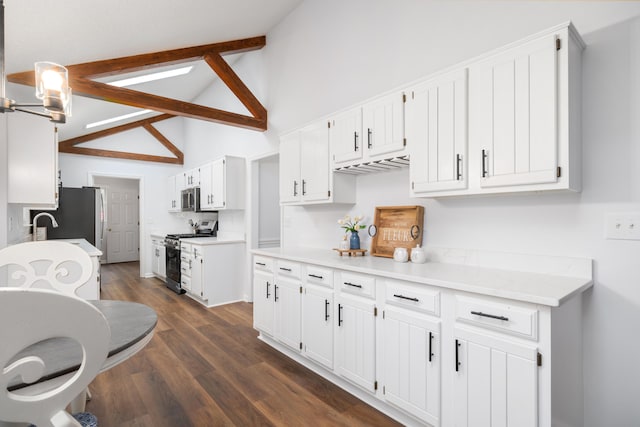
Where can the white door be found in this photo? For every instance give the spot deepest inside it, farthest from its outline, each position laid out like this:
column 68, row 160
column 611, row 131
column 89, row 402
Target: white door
column 356, row 341
column 495, row 382
column 287, row 302
column 411, row 363
column 345, row 135
column 290, row 188
column 122, row 225
column 317, row 325
column 437, row 133
column 314, row 162
column 513, row 113
column 263, row 314
column 383, row 125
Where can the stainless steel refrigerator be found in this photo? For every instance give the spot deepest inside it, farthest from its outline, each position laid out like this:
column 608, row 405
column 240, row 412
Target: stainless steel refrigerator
column 80, row 215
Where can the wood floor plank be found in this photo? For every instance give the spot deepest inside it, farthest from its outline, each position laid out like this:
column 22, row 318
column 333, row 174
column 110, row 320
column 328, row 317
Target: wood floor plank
column 207, row 367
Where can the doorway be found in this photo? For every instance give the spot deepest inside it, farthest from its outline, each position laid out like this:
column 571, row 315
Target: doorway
column 265, row 202
column 121, row 241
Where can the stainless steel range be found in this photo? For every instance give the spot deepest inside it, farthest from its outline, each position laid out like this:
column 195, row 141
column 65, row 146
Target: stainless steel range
column 172, row 243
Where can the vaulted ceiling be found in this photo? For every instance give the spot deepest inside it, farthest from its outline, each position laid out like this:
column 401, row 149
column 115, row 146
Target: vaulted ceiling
column 78, row 32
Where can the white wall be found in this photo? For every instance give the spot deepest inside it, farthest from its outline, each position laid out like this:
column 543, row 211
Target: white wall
column 4, row 217
column 329, row 55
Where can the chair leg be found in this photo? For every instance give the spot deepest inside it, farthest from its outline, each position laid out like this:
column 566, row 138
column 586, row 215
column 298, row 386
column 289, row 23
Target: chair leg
column 79, row 402
column 88, row 394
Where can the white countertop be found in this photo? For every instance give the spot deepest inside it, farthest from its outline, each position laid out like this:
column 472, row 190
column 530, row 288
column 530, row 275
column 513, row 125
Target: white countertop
column 211, row 241
column 549, row 288
column 83, row 244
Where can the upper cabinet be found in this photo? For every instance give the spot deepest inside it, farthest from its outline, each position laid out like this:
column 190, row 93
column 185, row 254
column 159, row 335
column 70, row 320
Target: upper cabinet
column 32, row 158
column 345, row 136
column 523, row 121
column 222, row 184
column 436, row 129
column 305, row 176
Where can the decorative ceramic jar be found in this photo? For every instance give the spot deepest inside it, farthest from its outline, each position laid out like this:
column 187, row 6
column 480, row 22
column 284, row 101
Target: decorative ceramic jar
column 401, row 255
column 418, row 255
column 344, row 244
column 354, row 242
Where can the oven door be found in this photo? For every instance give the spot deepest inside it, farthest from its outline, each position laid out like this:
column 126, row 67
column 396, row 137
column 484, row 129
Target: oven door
column 173, row 264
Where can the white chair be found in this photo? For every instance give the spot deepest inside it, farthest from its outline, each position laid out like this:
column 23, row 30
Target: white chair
column 30, row 316
column 47, row 264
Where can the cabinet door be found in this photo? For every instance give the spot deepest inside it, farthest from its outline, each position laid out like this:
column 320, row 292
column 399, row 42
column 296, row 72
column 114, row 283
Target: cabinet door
column 317, row 325
column 218, row 197
column 197, row 268
column 287, row 297
column 155, row 264
column 345, row 136
column 513, row 112
column 383, row 125
column 437, row 133
column 356, row 341
column 290, row 168
column 206, row 189
column 263, row 314
column 314, row 162
column 411, row 363
column 495, row 383
column 162, row 260
column 172, row 192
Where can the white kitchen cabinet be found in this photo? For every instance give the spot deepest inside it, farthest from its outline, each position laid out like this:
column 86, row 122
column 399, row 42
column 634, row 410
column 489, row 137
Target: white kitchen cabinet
column 287, row 297
column 197, row 271
column 305, row 176
column 158, row 261
column 32, row 161
column 524, row 115
column 263, row 300
column 383, row 126
column 191, row 178
column 222, row 184
column 174, row 188
column 318, row 324
column 345, row 136
column 495, row 381
column 436, row 130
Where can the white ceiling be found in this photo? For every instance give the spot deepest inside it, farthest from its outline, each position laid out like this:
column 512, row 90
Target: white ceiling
column 77, row 31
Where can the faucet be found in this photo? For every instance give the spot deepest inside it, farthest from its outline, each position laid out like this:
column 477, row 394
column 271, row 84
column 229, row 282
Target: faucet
column 35, row 222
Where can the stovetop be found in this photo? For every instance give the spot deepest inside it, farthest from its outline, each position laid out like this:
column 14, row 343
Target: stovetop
column 188, row 235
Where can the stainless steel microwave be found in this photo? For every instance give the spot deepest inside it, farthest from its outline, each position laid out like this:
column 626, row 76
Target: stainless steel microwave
column 190, row 200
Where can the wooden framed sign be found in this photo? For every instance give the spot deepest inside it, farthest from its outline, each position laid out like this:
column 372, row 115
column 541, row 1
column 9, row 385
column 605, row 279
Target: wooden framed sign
column 396, row 227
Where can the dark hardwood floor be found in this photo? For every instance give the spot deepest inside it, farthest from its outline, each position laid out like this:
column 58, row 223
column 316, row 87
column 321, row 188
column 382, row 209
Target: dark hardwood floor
column 206, row 367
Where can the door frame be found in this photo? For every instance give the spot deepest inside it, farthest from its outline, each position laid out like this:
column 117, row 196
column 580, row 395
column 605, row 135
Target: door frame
column 141, row 229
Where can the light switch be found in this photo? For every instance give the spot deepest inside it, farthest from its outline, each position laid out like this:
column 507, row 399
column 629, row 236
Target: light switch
column 623, row 226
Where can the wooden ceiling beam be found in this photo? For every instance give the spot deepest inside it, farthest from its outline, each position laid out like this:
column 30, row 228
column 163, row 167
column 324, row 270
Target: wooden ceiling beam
column 120, row 155
column 164, row 141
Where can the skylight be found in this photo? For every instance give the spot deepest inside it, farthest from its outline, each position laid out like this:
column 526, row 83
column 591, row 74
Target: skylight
column 151, row 77
column 117, row 119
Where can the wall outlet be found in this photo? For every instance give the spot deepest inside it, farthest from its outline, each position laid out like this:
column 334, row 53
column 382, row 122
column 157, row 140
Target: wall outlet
column 623, row 226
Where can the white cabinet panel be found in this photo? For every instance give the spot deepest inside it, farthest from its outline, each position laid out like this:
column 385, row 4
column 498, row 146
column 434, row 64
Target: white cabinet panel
column 263, row 310
column 314, row 162
column 345, row 135
column 222, row 184
column 318, row 324
column 287, row 299
column 290, row 168
column 383, row 125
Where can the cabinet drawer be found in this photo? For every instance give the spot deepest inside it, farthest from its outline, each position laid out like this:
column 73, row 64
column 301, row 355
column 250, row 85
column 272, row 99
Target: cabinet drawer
column 319, row 276
column 357, row 284
column 262, row 263
column 287, row 268
column 503, row 317
column 185, row 247
column 185, row 268
column 412, row 296
column 185, row 282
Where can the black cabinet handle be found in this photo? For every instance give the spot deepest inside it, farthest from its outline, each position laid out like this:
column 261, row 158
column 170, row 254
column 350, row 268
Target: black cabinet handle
column 458, row 167
column 304, row 190
column 316, row 276
column 268, row 294
column 492, row 316
column 285, row 269
column 408, row 298
column 457, row 360
column 275, row 293
column 261, row 263
column 484, row 163
column 326, row 310
column 369, row 132
column 355, row 141
column 430, row 346
column 295, row 188
column 339, row 314
column 352, row 284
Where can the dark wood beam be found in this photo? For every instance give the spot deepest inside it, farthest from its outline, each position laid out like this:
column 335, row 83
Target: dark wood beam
column 120, row 155
column 164, row 141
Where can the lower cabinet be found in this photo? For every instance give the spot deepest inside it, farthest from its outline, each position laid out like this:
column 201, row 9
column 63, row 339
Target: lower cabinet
column 425, row 355
column 158, row 258
column 495, row 382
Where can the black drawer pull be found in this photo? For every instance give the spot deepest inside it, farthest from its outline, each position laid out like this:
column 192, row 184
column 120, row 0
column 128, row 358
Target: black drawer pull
column 492, row 316
column 408, row 298
column 275, row 293
column 355, row 285
column 430, row 346
column 268, row 294
column 261, row 263
column 326, row 310
column 339, row 314
column 285, row 269
column 457, row 357
column 317, row 277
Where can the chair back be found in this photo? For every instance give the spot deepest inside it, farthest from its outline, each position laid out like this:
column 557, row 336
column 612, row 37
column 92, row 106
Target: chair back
column 31, row 316
column 48, row 264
